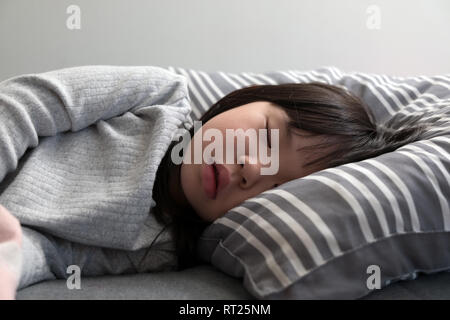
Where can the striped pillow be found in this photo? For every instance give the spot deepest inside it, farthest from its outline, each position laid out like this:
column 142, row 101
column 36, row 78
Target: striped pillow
column 344, row 231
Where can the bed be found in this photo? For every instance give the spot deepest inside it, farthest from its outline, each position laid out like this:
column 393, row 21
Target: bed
column 203, row 283
column 217, row 280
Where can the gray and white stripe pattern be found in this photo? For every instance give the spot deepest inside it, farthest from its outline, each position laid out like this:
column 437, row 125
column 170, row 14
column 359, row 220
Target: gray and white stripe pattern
column 341, row 219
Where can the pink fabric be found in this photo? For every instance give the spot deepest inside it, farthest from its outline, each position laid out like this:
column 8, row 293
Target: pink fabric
column 10, row 254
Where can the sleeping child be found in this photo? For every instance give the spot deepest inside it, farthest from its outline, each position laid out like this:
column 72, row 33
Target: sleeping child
column 87, row 170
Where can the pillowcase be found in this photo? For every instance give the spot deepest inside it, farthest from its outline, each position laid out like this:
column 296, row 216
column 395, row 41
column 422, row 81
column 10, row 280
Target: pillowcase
column 341, row 232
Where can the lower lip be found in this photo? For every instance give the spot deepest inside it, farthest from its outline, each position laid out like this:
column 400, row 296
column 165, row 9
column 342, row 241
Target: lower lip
column 209, row 181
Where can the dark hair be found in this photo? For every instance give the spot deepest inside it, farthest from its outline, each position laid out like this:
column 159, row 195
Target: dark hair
column 318, row 108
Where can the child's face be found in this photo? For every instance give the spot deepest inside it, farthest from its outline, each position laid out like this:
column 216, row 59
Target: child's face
column 245, row 180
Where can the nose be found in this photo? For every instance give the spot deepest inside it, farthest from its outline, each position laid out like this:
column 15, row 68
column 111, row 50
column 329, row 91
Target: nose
column 250, row 172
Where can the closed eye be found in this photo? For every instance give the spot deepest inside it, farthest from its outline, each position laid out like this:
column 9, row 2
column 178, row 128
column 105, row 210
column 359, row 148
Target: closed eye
column 269, row 142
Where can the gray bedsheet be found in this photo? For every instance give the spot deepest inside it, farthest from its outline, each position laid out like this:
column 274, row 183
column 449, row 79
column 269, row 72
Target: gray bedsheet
column 201, row 282
column 205, row 282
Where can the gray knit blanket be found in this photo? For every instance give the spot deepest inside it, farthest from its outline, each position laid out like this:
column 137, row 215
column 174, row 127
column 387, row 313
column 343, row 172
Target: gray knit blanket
column 94, row 137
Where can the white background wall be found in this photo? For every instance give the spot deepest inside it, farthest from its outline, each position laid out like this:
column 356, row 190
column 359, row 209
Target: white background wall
column 227, row 35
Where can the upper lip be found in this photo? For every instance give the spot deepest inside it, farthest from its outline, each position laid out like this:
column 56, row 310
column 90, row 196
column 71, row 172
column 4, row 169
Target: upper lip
column 223, row 176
